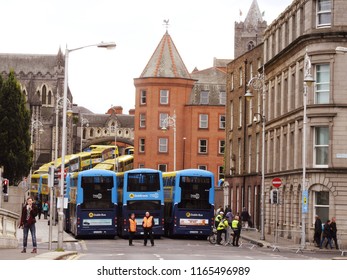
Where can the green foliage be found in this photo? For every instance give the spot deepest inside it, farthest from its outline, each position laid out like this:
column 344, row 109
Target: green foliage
column 15, row 154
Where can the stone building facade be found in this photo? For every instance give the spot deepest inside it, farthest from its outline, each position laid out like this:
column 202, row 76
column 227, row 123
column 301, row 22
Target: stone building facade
column 42, row 82
column 314, row 28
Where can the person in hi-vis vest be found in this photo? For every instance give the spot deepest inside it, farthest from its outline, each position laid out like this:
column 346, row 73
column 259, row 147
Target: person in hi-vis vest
column 148, row 223
column 132, row 228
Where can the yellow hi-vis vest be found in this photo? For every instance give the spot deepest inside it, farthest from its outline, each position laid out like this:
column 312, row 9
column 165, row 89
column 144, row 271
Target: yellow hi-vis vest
column 235, row 224
column 147, row 222
column 218, row 218
column 132, row 225
column 223, row 224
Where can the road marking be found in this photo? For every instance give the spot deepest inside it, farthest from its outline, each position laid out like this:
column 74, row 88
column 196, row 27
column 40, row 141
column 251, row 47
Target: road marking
column 158, row 256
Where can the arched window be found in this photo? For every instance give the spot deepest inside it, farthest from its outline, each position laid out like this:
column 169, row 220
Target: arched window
column 84, row 134
column 50, row 95
column 44, row 95
column 250, row 45
column 38, row 94
column 91, row 133
column 25, row 94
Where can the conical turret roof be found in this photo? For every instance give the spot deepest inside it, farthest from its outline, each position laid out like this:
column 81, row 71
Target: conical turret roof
column 166, row 61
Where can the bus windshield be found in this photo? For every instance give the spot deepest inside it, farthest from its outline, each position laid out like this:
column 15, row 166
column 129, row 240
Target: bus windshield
column 148, row 205
column 195, row 193
column 143, row 182
column 97, row 192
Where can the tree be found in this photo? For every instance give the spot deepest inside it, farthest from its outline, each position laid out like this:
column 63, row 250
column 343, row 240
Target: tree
column 15, row 154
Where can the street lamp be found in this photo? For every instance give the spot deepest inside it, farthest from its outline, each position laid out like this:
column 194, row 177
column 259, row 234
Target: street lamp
column 110, row 45
column 84, row 122
column 69, row 112
column 37, row 125
column 308, row 81
column 258, row 84
column 114, row 129
column 167, row 122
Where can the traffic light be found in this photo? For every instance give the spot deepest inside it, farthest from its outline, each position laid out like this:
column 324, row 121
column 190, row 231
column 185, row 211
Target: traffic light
column 274, row 197
column 56, row 177
column 4, row 186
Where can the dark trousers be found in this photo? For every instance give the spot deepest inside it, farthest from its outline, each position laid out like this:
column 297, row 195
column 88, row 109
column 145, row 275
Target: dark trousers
column 328, row 242
column 32, row 230
column 317, row 237
column 335, row 241
column 219, row 235
column 147, row 232
column 236, row 238
column 131, row 237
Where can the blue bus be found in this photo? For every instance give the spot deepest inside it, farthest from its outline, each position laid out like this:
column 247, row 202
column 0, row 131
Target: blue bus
column 140, row 190
column 93, row 204
column 189, row 202
column 70, row 195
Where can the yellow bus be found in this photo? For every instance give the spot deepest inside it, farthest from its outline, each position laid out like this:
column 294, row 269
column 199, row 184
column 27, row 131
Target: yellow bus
column 115, row 151
column 80, row 161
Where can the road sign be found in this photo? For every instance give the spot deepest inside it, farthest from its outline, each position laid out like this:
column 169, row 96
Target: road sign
column 276, row 182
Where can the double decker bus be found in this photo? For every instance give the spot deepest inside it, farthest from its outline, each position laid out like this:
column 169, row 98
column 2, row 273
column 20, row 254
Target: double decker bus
column 70, row 195
column 189, row 202
column 140, row 190
column 125, row 163
column 79, row 162
column 93, row 206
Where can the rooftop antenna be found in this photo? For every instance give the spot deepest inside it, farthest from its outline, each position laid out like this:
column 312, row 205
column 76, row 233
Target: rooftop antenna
column 166, row 23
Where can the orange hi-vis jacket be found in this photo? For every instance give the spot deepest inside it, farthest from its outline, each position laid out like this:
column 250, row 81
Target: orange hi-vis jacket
column 148, row 222
column 132, row 225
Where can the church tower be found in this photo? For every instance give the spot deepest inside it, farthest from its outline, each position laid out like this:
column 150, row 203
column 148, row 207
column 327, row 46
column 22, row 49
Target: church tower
column 249, row 33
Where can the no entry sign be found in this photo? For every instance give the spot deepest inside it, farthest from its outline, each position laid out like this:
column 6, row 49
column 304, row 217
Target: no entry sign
column 276, row 182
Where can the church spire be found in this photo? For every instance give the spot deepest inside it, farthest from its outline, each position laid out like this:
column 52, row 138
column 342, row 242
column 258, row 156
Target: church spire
column 254, row 15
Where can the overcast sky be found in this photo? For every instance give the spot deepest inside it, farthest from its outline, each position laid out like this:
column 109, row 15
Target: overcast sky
column 98, row 78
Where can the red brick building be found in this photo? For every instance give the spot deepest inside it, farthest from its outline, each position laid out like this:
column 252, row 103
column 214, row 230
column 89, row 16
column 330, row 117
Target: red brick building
column 193, row 104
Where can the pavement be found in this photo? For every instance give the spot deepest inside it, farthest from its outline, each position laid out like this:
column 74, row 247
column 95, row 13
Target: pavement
column 42, row 238
column 249, row 238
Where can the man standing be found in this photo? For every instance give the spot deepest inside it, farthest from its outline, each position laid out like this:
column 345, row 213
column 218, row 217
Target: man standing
column 317, row 231
column 244, row 217
column 132, row 229
column 27, row 222
column 222, row 228
column 236, row 227
column 218, row 218
column 334, row 232
column 148, row 223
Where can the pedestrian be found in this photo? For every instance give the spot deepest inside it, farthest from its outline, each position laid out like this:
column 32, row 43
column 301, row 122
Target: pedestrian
column 229, row 216
column 326, row 235
column 45, row 208
column 218, row 210
column 317, row 231
column 334, row 232
column 132, row 229
column 236, row 227
column 222, row 228
column 39, row 208
column 218, row 218
column 148, row 223
column 244, row 217
column 27, row 222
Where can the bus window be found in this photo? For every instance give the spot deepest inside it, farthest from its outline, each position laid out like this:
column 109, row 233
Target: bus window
column 149, row 205
column 139, row 182
column 97, row 192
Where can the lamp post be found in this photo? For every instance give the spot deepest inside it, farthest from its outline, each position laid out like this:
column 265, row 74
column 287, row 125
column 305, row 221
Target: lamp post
column 69, row 112
column 114, row 129
column 63, row 142
column 84, row 122
column 258, row 84
column 37, row 125
column 308, row 80
column 171, row 122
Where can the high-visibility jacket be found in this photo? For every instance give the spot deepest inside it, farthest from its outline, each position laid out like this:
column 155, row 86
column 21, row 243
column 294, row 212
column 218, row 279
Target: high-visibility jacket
column 223, row 224
column 235, row 224
column 147, row 222
column 132, row 225
column 218, row 218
